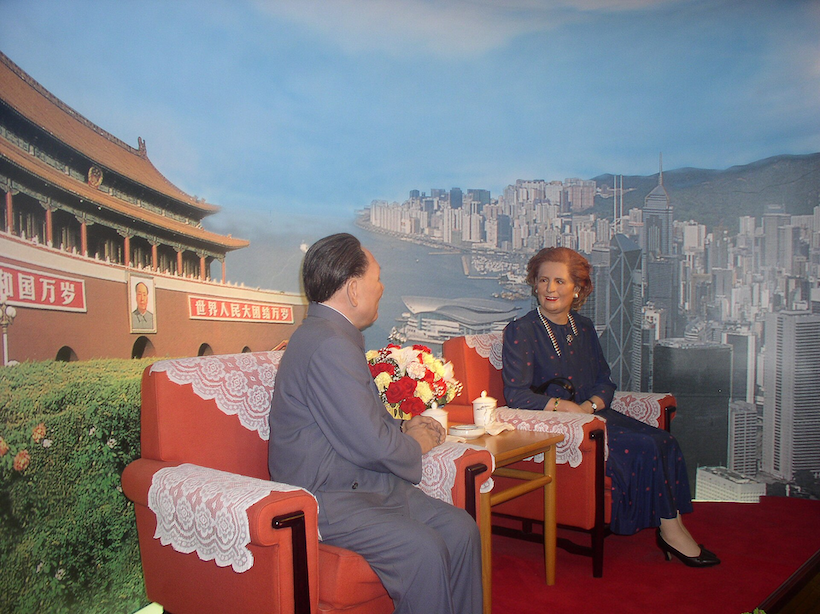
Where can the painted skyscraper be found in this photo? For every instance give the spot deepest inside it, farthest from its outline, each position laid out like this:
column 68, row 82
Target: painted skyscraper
column 791, row 414
column 622, row 337
column 699, row 374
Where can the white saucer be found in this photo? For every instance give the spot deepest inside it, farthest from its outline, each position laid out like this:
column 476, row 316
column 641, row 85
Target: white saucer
column 468, row 431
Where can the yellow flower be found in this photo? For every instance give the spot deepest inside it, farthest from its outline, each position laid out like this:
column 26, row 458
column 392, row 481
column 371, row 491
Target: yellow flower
column 382, row 381
column 372, row 355
column 424, row 392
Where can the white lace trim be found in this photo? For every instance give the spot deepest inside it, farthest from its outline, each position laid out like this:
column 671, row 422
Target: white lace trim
column 240, row 384
column 488, row 345
column 571, row 426
column 643, row 406
column 204, row 510
column 438, row 470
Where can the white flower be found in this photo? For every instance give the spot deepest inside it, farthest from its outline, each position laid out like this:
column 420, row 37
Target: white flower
column 92, row 430
column 404, row 356
column 46, row 443
column 111, row 442
column 39, row 567
column 416, row 370
column 60, row 574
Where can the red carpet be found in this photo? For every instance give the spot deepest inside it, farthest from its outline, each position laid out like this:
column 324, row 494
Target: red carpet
column 760, row 546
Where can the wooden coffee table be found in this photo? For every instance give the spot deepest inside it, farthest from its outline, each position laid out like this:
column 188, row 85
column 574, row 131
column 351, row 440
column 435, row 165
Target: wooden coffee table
column 507, row 448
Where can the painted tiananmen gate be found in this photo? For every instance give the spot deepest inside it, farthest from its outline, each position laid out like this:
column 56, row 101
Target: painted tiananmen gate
column 102, row 256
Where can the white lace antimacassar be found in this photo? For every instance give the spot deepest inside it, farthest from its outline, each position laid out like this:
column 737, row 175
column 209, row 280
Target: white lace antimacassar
column 241, row 385
column 204, row 510
column 643, row 406
column 438, row 470
column 571, row 426
column 487, row 346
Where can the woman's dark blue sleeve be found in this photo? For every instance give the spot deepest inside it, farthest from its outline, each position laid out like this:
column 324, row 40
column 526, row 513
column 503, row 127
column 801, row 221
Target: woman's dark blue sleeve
column 518, row 365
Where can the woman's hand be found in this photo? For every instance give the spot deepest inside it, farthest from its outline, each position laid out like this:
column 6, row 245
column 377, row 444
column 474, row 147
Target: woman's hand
column 568, row 406
column 572, row 408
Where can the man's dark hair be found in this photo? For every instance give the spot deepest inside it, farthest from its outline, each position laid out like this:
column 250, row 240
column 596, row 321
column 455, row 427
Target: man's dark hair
column 329, row 263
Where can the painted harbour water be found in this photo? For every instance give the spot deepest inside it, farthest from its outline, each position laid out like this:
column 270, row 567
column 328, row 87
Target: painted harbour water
column 410, row 269
column 274, row 257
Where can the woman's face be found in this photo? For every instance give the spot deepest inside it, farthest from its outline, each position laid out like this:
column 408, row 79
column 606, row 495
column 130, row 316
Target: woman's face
column 555, row 291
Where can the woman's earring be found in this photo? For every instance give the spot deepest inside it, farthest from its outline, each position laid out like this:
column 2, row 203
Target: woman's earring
column 576, row 295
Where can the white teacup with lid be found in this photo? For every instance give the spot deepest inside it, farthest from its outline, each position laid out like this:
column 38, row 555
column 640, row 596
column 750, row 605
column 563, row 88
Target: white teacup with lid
column 484, row 409
column 437, row 413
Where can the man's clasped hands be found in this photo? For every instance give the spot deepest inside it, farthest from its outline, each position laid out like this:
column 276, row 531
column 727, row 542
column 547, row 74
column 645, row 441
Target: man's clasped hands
column 427, row 431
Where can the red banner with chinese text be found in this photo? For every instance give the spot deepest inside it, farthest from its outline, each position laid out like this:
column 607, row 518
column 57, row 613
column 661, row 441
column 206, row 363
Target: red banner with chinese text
column 231, row 310
column 29, row 288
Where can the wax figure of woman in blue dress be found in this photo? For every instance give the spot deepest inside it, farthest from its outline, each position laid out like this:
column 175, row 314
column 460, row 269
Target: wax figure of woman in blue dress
column 553, row 343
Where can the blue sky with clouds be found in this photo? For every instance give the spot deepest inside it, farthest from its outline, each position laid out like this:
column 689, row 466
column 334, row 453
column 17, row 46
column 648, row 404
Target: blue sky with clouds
column 312, row 107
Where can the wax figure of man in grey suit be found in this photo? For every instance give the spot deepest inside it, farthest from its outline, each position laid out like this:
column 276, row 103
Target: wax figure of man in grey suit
column 331, row 434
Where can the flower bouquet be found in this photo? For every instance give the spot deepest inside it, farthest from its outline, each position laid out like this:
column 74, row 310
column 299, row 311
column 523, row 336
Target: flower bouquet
column 410, row 379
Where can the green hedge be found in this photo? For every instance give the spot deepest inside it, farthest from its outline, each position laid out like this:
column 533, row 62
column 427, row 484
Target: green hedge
column 68, row 540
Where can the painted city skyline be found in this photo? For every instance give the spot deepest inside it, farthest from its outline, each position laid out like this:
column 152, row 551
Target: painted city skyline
column 294, row 115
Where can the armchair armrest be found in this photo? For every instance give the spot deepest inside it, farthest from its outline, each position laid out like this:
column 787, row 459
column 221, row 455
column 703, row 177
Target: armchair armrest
column 577, row 430
column 252, row 525
column 652, row 408
column 446, row 470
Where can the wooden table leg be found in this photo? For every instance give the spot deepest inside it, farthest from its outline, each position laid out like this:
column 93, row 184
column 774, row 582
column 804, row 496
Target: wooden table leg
column 549, row 516
column 486, row 530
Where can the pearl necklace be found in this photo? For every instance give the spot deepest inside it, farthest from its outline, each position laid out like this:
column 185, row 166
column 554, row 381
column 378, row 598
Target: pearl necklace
column 552, row 335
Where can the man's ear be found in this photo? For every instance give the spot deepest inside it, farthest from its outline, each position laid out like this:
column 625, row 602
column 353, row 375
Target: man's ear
column 353, row 292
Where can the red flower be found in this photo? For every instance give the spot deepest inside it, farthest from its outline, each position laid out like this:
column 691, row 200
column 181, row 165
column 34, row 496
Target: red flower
column 413, row 406
column 4, row 447
column 422, row 348
column 439, row 387
column 382, row 367
column 401, row 389
column 22, row 460
column 39, row 432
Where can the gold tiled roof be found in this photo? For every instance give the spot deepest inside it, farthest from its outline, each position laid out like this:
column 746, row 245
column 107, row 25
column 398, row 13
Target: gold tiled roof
column 34, row 102
column 51, row 175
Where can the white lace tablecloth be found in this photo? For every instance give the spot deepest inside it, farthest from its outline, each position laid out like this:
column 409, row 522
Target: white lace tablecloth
column 206, row 511
column 438, row 470
column 241, row 385
column 571, row 426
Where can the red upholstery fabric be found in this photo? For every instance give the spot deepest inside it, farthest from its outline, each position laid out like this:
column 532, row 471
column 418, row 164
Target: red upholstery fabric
column 180, row 427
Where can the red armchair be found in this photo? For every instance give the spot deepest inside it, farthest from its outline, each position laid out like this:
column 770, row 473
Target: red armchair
column 215, row 534
column 583, row 492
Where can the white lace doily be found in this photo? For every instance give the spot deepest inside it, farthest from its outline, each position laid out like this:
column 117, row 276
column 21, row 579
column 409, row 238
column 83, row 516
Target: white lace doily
column 571, row 426
column 438, row 470
column 488, row 346
column 240, row 384
column 643, row 406
column 205, row 511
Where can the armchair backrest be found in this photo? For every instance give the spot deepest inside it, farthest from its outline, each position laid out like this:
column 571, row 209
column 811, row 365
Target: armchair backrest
column 210, row 411
column 477, row 365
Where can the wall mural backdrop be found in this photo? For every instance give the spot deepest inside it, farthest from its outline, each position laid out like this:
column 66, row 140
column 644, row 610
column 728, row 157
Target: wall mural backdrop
column 674, row 142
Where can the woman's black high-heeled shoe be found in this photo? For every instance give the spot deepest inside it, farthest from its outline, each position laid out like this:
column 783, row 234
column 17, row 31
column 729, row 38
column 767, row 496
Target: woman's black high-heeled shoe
column 706, row 558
